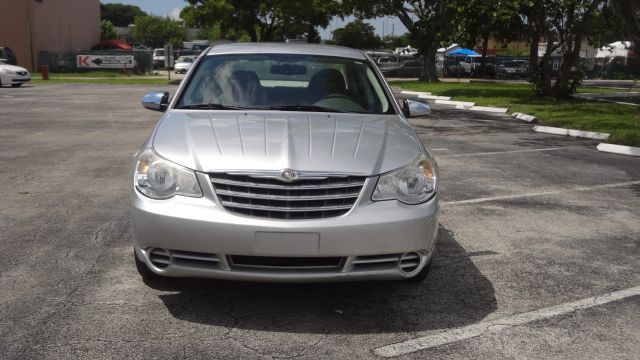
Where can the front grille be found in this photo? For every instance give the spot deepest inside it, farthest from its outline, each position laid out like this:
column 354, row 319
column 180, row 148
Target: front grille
column 285, row 263
column 302, row 199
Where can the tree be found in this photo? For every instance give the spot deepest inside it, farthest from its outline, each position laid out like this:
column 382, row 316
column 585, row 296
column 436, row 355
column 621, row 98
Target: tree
column 563, row 24
column 357, row 34
column 428, row 22
column 391, row 41
column 479, row 21
column 120, row 14
column 156, row 31
column 629, row 12
column 262, row 20
column 107, row 31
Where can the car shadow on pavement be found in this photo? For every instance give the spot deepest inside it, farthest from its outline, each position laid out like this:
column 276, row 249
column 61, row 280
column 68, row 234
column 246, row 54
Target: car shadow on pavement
column 454, row 294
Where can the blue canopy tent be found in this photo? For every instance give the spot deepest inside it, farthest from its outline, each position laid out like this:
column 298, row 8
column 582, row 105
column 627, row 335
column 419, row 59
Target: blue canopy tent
column 463, row 52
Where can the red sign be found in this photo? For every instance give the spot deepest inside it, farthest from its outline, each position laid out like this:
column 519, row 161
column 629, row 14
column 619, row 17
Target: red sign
column 83, row 61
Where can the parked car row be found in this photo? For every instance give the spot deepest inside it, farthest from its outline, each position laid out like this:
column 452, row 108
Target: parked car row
column 457, row 66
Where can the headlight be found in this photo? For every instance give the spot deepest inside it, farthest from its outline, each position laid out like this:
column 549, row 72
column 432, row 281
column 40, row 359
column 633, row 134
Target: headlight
column 412, row 184
column 158, row 178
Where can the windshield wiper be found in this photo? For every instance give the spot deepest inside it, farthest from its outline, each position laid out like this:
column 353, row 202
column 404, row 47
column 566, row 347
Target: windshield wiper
column 303, row 108
column 213, row 106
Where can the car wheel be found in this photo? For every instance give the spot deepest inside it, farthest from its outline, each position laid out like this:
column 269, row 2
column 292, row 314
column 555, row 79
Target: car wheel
column 144, row 270
column 420, row 276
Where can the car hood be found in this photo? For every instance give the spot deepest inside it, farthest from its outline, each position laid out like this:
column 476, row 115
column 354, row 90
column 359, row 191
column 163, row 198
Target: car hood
column 12, row 67
column 356, row 144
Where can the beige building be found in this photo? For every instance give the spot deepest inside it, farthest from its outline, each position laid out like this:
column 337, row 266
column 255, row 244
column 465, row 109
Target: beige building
column 56, row 26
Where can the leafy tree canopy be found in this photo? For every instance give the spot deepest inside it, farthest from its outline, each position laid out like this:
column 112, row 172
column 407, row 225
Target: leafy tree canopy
column 156, row 31
column 262, row 20
column 428, row 22
column 357, row 34
column 107, row 31
column 120, row 14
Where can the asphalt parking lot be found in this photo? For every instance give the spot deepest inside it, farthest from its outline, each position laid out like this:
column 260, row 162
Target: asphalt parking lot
column 535, row 231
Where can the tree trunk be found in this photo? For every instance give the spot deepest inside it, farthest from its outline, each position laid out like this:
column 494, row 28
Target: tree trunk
column 483, row 60
column 544, row 81
column 429, row 73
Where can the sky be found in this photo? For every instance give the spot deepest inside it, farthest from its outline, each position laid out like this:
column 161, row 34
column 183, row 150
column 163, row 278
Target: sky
column 171, row 8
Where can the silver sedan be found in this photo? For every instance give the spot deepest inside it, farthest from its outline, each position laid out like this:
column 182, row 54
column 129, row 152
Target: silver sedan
column 286, row 163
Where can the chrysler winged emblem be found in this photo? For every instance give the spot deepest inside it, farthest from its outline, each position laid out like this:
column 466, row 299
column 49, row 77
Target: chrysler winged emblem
column 288, row 175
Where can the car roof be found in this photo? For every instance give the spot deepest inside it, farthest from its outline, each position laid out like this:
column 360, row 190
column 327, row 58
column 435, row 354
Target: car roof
column 286, row 48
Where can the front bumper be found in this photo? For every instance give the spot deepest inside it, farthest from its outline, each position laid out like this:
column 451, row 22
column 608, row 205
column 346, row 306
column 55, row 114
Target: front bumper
column 15, row 79
column 201, row 228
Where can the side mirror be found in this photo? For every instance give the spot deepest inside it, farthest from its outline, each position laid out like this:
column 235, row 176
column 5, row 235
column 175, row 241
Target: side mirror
column 412, row 108
column 157, row 101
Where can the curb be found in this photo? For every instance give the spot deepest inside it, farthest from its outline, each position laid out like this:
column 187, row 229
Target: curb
column 418, row 93
column 619, row 149
column 489, row 109
column 455, row 103
column 524, row 117
column 571, row 132
column 434, row 97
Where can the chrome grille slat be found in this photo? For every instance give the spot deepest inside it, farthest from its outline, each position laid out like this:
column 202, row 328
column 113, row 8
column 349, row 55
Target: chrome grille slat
column 283, row 209
column 160, row 260
column 409, row 264
column 194, row 256
column 306, row 198
column 289, row 198
column 376, row 260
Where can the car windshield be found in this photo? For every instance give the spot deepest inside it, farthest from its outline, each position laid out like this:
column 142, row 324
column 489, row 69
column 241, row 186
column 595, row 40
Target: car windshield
column 185, row 59
column 285, row 82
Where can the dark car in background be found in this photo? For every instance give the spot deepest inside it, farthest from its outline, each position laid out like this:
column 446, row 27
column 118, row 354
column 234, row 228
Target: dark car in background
column 8, row 56
column 406, row 69
column 512, row 69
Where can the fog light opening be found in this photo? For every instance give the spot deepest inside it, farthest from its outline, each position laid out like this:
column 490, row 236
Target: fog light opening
column 409, row 262
column 160, row 258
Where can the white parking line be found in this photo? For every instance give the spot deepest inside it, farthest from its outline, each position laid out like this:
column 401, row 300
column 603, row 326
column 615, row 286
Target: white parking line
column 506, row 152
column 486, row 327
column 541, row 193
column 47, row 100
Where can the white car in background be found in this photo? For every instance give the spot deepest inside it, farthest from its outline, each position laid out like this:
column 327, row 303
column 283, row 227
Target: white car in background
column 183, row 64
column 13, row 75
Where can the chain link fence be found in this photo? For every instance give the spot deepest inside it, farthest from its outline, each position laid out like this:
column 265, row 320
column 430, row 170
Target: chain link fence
column 67, row 62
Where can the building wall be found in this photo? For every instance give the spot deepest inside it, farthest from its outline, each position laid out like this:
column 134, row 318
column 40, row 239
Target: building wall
column 14, row 31
column 57, row 26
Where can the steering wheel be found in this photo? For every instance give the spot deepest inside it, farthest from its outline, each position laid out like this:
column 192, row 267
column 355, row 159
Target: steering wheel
column 340, row 102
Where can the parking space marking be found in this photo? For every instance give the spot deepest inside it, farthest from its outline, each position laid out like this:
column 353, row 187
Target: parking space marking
column 486, row 327
column 48, row 100
column 505, row 152
column 541, row 193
